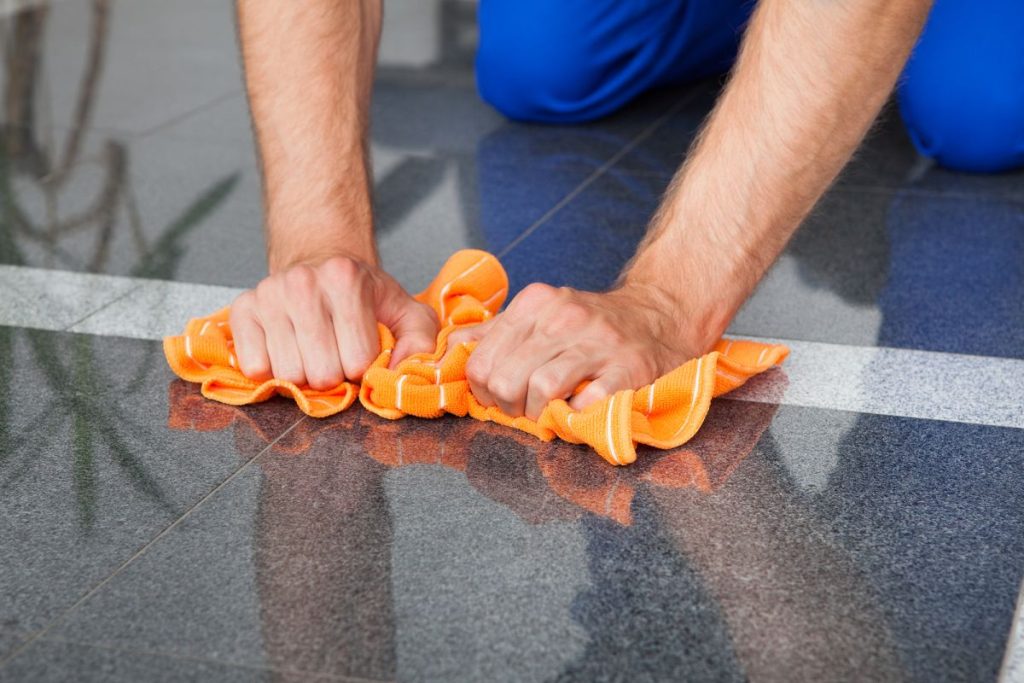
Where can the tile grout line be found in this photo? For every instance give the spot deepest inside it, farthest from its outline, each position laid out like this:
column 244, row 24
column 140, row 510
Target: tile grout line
column 209, row 660
column 178, row 118
column 103, row 307
column 597, row 173
column 1013, row 655
column 41, row 633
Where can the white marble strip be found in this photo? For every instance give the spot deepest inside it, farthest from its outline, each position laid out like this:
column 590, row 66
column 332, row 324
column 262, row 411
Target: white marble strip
column 902, row 382
column 885, row 381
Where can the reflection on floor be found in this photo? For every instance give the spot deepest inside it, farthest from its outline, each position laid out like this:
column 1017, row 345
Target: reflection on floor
column 856, row 516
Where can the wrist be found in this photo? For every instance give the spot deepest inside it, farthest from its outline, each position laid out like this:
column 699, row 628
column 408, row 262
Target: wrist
column 317, row 221
column 697, row 295
column 283, row 252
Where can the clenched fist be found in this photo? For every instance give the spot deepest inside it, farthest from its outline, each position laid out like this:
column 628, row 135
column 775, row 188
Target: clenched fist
column 549, row 340
column 316, row 325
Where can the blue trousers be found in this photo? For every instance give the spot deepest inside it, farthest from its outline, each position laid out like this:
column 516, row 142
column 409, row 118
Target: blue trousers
column 568, row 61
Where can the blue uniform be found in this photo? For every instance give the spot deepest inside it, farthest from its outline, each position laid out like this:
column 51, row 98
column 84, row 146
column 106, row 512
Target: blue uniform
column 567, row 61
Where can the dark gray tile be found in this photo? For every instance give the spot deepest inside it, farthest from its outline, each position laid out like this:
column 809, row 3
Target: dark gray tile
column 885, row 160
column 62, row 661
column 317, row 559
column 165, row 184
column 149, row 208
column 900, row 269
column 9, row 642
column 869, row 267
column 128, row 67
column 587, row 242
column 781, row 543
column 883, row 535
column 185, row 203
column 662, row 153
column 98, row 456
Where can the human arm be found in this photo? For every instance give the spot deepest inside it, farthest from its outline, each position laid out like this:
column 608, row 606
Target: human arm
column 309, row 70
column 810, row 79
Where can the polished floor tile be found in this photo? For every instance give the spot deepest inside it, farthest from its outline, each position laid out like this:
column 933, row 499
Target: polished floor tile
column 9, row 642
column 128, row 67
column 885, row 160
column 888, row 268
column 900, row 269
column 588, row 241
column 856, row 516
column 120, row 188
column 59, row 661
column 781, row 542
column 99, row 454
column 184, row 203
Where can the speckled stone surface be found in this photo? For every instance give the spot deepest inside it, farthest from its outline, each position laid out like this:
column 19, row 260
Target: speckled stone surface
column 886, row 160
column 97, row 455
column 156, row 308
column 856, row 517
column 52, row 294
column 60, row 662
column 887, row 268
column 782, row 542
column 886, row 381
column 9, row 641
column 168, row 187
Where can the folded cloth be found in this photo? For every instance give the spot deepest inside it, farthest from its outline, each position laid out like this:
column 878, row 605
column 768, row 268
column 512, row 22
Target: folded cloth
column 470, row 289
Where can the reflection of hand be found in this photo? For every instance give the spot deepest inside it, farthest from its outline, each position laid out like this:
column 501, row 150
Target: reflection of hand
column 316, row 324
column 550, row 340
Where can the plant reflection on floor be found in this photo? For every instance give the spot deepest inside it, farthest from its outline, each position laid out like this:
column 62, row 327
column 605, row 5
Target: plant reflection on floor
column 324, row 532
column 49, row 171
column 506, row 465
column 765, row 564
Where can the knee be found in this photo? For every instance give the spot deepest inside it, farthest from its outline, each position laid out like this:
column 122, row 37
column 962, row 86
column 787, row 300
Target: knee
column 977, row 131
column 549, row 85
column 538, row 65
column 962, row 96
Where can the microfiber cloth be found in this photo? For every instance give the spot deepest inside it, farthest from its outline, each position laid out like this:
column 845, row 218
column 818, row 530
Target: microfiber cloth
column 471, row 289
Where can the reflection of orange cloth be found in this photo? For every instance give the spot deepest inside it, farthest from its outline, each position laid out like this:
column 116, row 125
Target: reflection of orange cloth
column 470, row 289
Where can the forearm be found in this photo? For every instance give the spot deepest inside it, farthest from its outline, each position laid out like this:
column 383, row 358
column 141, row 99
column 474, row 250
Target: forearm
column 811, row 78
column 309, row 72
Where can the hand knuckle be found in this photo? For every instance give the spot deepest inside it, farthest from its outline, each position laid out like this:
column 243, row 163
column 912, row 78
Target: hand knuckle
column 477, row 370
column 340, row 271
column 536, row 293
column 266, row 290
column 572, row 315
column 255, row 368
column 300, row 279
column 244, row 301
column 324, row 379
column 502, row 387
column 544, row 384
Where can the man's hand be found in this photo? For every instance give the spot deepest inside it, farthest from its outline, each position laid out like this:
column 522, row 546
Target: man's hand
column 309, row 71
column 316, row 325
column 549, row 340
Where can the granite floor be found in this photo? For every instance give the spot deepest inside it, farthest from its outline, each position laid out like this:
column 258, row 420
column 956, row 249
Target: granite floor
column 856, row 515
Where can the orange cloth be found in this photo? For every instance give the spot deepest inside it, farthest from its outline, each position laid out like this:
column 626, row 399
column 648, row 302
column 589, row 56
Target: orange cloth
column 470, row 289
